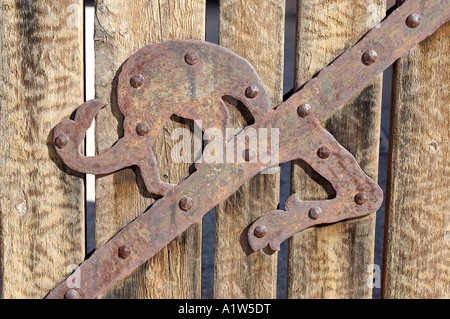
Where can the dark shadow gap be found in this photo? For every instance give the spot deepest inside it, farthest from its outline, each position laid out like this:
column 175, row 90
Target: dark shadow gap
column 209, row 220
column 382, row 179
column 282, row 259
column 89, row 205
column 208, row 234
column 285, row 168
column 316, row 177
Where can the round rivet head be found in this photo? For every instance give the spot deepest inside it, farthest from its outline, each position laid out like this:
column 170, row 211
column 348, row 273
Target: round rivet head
column 413, row 21
column 249, row 154
column 72, row 294
column 186, row 203
column 315, row 212
column 260, row 231
column 361, row 198
column 136, row 81
column 61, row 141
column 251, row 92
column 323, row 152
column 369, row 57
column 304, row 110
column 191, row 58
column 124, row 251
column 142, row 129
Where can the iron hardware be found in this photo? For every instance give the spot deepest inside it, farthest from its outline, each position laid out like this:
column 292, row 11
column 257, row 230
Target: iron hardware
column 200, row 74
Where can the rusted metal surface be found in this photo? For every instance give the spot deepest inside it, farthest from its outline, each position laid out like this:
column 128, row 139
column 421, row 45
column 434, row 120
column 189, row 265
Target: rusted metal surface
column 186, row 203
column 413, row 20
column 203, row 74
column 369, row 57
column 124, row 251
column 340, row 168
column 185, row 78
column 346, row 75
column 304, row 110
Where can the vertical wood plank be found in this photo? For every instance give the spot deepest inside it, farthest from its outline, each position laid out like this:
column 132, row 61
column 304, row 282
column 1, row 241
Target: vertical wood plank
column 416, row 255
column 42, row 203
column 121, row 28
column 255, row 31
column 332, row 261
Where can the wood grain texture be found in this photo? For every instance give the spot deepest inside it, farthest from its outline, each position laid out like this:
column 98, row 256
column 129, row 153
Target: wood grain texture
column 416, row 256
column 255, row 31
column 332, row 261
column 121, row 28
column 41, row 202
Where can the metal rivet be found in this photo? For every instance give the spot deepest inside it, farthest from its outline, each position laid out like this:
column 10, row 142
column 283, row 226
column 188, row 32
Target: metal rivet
column 186, row 203
column 142, row 129
column 369, row 57
column 413, row 21
column 304, row 110
column 61, row 141
column 361, row 198
column 323, row 152
column 315, row 212
column 251, row 92
column 72, row 294
column 249, row 154
column 124, row 251
column 260, row 231
column 191, row 58
column 136, row 81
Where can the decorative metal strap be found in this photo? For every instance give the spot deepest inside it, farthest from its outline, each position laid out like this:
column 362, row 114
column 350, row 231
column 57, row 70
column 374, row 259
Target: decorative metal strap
column 189, row 78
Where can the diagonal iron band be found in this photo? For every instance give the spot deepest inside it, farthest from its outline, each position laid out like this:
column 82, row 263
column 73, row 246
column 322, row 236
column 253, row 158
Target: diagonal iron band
column 300, row 129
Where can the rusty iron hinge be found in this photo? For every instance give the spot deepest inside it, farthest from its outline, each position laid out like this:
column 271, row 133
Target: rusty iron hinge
column 189, row 79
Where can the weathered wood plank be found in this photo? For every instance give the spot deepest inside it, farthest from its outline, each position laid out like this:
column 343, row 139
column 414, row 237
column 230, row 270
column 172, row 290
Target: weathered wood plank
column 42, row 203
column 121, row 28
column 332, row 261
column 416, row 255
column 255, row 31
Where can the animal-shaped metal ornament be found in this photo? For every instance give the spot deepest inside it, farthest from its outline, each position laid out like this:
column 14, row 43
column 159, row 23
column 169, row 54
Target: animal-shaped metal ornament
column 184, row 78
column 190, row 79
